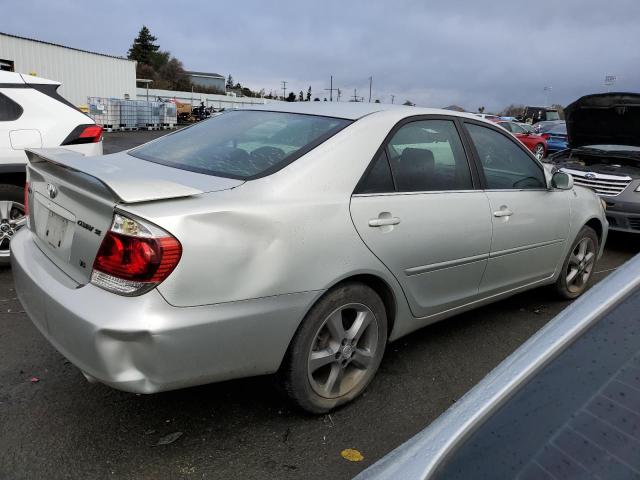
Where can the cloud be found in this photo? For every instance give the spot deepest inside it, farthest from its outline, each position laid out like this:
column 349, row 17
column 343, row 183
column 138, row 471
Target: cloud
column 434, row 53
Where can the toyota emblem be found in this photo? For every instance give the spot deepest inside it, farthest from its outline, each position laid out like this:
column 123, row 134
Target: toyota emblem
column 590, row 176
column 53, row 191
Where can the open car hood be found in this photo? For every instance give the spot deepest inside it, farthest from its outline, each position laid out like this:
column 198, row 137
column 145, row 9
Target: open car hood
column 604, row 119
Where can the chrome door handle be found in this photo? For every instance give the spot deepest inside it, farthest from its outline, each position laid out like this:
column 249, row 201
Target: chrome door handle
column 382, row 222
column 503, row 212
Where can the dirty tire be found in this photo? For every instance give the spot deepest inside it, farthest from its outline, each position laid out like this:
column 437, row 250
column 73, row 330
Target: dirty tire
column 566, row 286
column 348, row 357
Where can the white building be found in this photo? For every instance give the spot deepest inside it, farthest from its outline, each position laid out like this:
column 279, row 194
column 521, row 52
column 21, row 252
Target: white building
column 83, row 74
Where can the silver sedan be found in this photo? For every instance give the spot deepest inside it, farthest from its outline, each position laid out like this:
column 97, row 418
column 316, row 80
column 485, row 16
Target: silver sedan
column 290, row 238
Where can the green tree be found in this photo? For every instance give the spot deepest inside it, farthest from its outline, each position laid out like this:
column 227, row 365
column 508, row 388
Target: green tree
column 309, row 94
column 480, row 109
column 229, row 82
column 301, row 96
column 291, row 97
column 143, row 49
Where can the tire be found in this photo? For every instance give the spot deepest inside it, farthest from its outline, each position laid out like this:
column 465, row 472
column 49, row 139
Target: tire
column 11, row 212
column 329, row 345
column 578, row 266
column 538, row 151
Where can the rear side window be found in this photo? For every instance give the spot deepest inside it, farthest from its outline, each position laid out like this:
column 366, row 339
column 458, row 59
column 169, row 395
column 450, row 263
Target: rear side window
column 378, row 179
column 427, row 155
column 9, row 110
column 242, row 144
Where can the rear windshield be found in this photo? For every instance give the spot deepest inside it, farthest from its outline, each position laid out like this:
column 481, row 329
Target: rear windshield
column 559, row 129
column 242, row 144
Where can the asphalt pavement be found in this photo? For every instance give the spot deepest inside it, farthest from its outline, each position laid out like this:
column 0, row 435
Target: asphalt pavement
column 54, row 424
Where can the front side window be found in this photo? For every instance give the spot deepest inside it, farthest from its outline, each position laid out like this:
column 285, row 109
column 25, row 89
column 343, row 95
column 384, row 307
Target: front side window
column 242, row 144
column 427, row 155
column 9, row 110
column 506, row 166
column 515, row 128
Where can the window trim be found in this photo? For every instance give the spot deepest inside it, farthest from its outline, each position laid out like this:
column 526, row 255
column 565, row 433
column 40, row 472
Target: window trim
column 476, row 183
column 509, row 136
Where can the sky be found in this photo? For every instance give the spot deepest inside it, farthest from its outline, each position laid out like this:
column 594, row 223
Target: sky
column 471, row 53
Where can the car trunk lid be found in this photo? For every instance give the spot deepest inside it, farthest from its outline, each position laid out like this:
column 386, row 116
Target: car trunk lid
column 72, row 199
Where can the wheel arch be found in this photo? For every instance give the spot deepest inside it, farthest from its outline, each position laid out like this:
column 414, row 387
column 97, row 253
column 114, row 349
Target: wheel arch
column 382, row 288
column 596, row 224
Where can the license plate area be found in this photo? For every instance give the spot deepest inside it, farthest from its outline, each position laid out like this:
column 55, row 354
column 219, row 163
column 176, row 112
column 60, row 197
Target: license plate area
column 54, row 227
column 55, row 230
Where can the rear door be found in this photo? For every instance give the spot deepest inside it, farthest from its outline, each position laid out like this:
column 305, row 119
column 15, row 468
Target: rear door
column 530, row 221
column 419, row 210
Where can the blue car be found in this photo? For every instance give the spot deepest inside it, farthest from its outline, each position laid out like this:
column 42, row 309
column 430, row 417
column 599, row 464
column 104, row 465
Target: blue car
column 556, row 136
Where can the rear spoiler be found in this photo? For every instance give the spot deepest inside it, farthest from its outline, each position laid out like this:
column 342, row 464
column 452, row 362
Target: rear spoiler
column 129, row 179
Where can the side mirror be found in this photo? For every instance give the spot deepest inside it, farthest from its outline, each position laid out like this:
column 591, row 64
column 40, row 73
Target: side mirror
column 562, row 181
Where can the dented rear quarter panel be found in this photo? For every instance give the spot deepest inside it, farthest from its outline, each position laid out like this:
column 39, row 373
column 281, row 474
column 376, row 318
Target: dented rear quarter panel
column 285, row 233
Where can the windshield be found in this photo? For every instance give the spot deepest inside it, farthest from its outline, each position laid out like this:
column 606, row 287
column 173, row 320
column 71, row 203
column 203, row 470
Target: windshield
column 242, row 144
column 579, row 417
column 552, row 115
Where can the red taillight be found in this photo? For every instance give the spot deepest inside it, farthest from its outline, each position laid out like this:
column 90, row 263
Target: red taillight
column 133, row 264
column 546, row 136
column 92, row 132
column 26, row 199
column 84, row 134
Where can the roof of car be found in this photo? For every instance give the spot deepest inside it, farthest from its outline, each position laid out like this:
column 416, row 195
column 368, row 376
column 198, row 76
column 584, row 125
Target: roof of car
column 19, row 78
column 349, row 110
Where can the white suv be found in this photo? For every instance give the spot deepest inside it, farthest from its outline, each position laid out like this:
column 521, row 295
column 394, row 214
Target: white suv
column 34, row 115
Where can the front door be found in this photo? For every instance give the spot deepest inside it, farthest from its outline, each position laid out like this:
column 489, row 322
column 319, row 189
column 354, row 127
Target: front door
column 418, row 211
column 530, row 222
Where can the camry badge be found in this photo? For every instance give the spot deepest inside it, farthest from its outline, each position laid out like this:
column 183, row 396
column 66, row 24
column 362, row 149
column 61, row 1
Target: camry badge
column 590, row 176
column 53, row 191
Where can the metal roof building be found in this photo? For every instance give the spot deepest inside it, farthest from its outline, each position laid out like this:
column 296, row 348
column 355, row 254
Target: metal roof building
column 204, row 79
column 82, row 73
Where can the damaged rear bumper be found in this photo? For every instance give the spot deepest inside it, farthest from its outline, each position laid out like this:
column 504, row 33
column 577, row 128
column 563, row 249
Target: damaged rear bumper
column 143, row 344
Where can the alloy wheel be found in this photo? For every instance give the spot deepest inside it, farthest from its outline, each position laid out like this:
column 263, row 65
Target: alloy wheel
column 580, row 265
column 538, row 151
column 12, row 218
column 343, row 350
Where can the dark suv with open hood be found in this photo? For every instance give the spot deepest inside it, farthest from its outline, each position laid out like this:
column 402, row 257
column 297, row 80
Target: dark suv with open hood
column 604, row 153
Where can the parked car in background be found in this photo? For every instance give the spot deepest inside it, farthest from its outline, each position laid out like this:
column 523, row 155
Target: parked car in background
column 34, row 115
column 534, row 142
column 545, row 125
column 538, row 114
column 566, row 404
column 556, row 136
column 604, row 153
column 289, row 258
column 488, row 116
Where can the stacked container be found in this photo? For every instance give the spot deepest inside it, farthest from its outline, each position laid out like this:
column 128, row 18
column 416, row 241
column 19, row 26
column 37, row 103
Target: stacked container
column 168, row 115
column 148, row 114
column 105, row 112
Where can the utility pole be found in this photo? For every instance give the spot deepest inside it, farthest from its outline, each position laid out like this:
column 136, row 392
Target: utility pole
column 392, row 97
column 339, row 94
column 370, row 82
column 331, row 90
column 284, row 90
column 355, row 95
column 547, row 91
